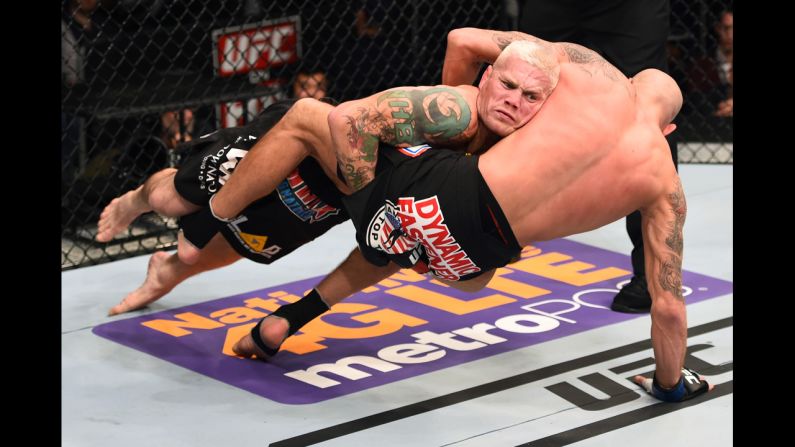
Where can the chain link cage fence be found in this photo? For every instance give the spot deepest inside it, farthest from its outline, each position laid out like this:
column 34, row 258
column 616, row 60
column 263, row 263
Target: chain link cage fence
column 141, row 76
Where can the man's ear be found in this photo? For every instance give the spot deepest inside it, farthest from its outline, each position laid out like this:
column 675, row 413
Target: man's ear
column 486, row 76
column 669, row 129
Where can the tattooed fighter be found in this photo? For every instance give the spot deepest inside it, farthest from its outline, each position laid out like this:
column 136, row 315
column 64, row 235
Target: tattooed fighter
column 277, row 199
column 594, row 152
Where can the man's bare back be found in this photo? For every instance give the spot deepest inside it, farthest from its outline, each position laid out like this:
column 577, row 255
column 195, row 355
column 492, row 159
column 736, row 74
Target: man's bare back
column 575, row 168
column 557, row 176
column 595, row 153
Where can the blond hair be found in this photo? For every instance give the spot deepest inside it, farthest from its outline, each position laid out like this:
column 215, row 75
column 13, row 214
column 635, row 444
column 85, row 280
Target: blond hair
column 534, row 54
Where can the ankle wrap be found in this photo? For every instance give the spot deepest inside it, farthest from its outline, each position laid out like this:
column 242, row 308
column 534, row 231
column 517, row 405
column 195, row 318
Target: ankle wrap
column 261, row 343
column 302, row 311
column 297, row 315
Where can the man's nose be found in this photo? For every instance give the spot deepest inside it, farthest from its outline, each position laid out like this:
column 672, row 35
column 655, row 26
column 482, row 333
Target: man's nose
column 512, row 98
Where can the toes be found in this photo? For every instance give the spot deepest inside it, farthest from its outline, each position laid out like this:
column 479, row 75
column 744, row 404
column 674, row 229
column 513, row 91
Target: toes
column 244, row 347
column 237, row 349
column 115, row 310
column 119, row 308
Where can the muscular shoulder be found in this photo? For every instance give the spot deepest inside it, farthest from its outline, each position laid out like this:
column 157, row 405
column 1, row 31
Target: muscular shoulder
column 439, row 114
column 664, row 186
column 458, row 99
column 590, row 61
column 593, row 94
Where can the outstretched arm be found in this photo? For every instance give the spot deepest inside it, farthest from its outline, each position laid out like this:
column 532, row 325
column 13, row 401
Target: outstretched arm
column 404, row 116
column 353, row 275
column 663, row 242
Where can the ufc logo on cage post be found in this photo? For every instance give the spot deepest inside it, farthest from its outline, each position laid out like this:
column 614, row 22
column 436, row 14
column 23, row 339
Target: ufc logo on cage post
column 252, row 49
column 256, row 46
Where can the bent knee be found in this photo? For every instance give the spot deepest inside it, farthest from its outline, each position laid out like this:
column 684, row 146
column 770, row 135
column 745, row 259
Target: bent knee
column 304, row 113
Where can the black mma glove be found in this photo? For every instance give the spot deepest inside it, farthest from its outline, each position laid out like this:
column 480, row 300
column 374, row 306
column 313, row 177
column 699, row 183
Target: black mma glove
column 200, row 227
column 688, row 387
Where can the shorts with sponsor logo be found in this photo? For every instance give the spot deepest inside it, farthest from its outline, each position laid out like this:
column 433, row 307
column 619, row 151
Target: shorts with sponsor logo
column 284, row 220
column 434, row 207
column 207, row 162
column 304, row 206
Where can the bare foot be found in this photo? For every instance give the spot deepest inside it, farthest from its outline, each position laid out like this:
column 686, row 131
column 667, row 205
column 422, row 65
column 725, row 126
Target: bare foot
column 273, row 332
column 119, row 214
column 152, row 288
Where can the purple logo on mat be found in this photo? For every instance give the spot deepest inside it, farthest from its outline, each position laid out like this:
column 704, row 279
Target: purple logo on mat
column 405, row 326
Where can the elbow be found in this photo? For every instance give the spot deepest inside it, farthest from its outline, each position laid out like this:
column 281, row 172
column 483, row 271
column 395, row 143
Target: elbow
column 457, row 38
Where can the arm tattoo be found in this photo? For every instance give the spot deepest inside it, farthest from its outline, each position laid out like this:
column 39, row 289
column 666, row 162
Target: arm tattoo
column 580, row 55
column 577, row 56
column 359, row 167
column 365, row 130
column 355, row 177
column 432, row 115
column 353, row 131
column 436, row 115
column 671, row 269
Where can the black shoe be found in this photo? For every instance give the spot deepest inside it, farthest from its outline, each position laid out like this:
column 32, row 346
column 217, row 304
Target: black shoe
column 633, row 298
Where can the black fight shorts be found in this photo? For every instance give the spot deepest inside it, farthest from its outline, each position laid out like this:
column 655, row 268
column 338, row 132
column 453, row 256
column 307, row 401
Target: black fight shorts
column 431, row 205
column 207, row 162
column 286, row 219
column 304, row 206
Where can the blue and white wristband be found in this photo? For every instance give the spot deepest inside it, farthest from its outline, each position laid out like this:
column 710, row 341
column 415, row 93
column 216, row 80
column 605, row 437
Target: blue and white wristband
column 674, row 394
